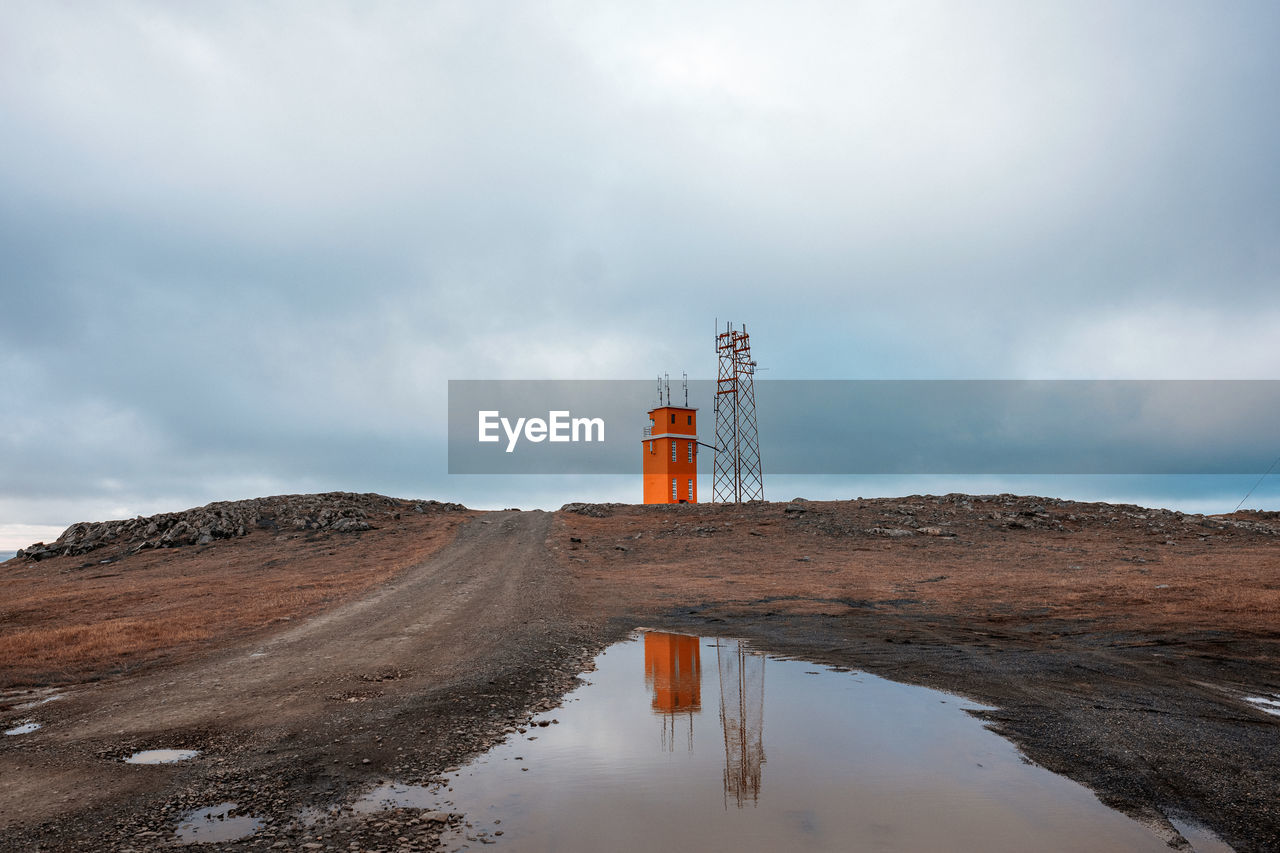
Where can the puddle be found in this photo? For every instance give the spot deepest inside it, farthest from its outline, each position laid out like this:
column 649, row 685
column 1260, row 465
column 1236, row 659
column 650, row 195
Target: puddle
column 1202, row 839
column 679, row 742
column 161, row 756
column 216, row 823
column 1269, row 704
column 25, row 728
column 310, row 816
column 394, row 796
column 26, row 706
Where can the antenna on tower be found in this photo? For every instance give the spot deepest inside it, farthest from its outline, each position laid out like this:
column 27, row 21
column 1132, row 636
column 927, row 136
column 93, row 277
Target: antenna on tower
column 738, row 475
column 686, row 390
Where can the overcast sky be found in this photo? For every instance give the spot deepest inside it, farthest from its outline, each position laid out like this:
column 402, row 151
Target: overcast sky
column 243, row 246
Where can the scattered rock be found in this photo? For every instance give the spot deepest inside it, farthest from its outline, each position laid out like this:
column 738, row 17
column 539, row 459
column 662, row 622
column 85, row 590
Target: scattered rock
column 337, row 512
column 893, row 532
column 592, row 510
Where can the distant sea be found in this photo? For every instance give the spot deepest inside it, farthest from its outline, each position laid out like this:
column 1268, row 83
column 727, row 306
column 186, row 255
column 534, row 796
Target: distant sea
column 5, row 555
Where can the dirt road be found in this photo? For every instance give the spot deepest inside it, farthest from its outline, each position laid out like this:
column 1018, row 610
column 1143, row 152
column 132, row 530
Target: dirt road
column 1116, row 643
column 397, row 684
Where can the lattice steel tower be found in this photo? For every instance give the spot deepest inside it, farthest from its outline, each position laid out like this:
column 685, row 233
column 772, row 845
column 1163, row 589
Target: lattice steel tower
column 737, row 473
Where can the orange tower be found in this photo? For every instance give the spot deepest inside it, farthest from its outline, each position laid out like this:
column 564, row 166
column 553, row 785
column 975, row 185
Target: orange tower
column 671, row 453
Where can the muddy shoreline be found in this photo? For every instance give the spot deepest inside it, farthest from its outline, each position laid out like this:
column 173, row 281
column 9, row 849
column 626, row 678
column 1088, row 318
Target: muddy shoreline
column 463, row 649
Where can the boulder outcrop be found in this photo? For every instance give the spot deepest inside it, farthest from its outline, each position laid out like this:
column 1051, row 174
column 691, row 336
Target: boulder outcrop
column 338, row 512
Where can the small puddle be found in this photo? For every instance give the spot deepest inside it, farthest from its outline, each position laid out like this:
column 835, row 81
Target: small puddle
column 1201, row 838
column 216, row 823
column 680, row 743
column 310, row 816
column 25, row 728
column 391, row 795
column 161, row 756
column 1268, row 704
column 26, row 706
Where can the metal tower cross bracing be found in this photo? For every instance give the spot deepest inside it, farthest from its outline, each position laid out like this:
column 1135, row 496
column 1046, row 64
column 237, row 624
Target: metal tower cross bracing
column 737, row 475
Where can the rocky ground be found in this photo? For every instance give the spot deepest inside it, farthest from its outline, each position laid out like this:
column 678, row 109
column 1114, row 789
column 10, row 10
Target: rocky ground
column 1118, row 645
column 339, row 512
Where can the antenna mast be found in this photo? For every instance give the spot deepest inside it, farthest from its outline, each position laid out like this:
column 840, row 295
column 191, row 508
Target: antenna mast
column 738, row 475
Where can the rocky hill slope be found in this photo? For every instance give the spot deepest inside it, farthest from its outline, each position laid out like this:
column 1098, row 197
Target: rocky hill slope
column 339, row 512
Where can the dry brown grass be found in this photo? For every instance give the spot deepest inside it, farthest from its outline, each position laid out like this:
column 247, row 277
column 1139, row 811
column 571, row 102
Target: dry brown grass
column 73, row 618
column 1113, row 577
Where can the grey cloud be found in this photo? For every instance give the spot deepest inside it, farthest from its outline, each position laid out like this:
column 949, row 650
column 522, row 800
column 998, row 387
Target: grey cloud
column 262, row 238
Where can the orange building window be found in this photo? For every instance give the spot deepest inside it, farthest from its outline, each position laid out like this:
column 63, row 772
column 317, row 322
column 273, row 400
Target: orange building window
column 691, row 490
column 691, row 451
column 675, row 495
column 673, row 450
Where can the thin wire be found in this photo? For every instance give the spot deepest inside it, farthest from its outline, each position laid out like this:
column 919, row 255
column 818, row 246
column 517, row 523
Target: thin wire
column 1255, row 485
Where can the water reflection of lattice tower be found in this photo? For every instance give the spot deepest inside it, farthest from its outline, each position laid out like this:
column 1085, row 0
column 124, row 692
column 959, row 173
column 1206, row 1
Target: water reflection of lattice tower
column 673, row 671
column 742, row 718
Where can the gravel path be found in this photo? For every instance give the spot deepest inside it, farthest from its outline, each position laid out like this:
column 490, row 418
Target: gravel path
column 399, row 684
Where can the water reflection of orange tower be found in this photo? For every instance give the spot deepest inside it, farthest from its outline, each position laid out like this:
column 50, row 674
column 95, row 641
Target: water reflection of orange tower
column 742, row 717
column 673, row 670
